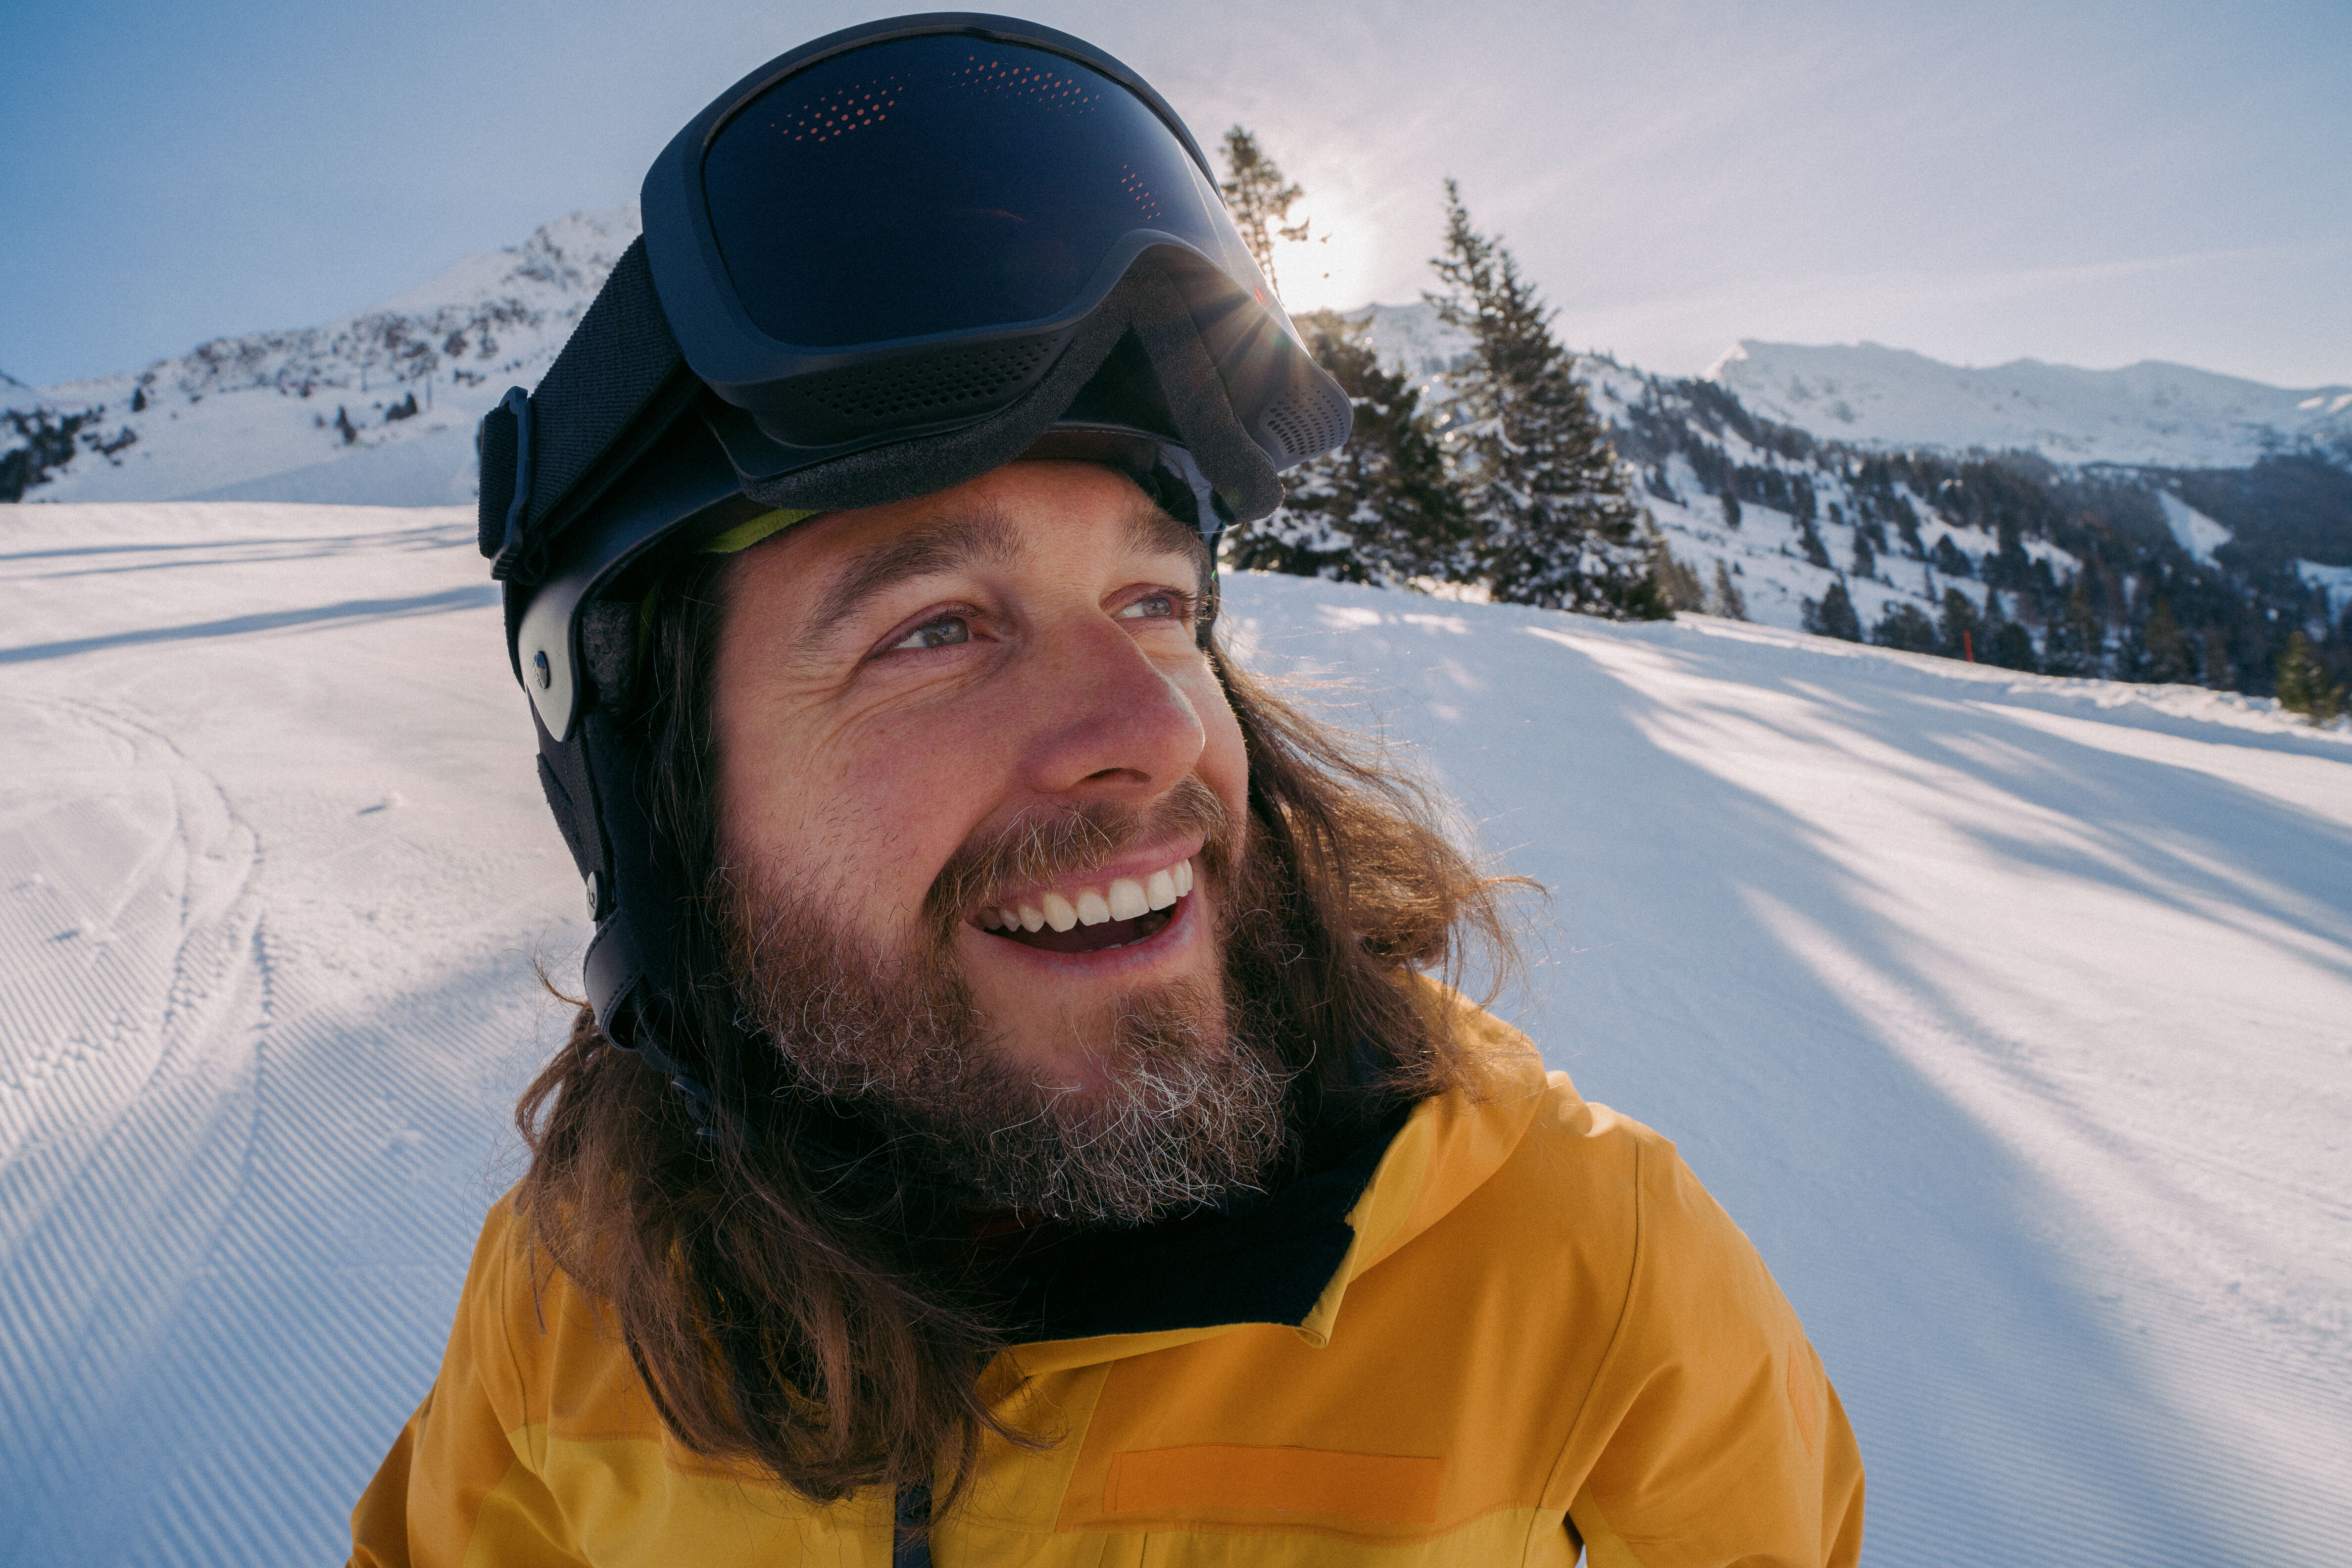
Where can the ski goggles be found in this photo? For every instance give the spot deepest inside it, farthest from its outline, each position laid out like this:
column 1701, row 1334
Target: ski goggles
column 903, row 227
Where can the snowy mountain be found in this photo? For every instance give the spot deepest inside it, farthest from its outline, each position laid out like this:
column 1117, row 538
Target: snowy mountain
column 2041, row 537
column 1821, row 452
column 2162, row 416
column 377, row 407
column 2006, row 1014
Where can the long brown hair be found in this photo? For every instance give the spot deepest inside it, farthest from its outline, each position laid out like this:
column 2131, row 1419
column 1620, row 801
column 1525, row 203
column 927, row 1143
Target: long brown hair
column 835, row 1335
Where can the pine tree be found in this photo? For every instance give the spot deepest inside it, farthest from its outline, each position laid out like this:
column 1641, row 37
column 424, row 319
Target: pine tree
column 2303, row 684
column 1383, row 509
column 2165, row 654
column 1961, row 628
column 2219, row 674
column 1809, row 539
column 1544, row 487
column 1834, row 616
column 1906, row 626
column 1729, row 602
column 1259, row 200
column 2075, row 641
column 1678, row 582
column 2012, row 647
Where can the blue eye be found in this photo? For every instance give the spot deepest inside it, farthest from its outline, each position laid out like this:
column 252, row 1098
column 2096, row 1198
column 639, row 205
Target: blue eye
column 1155, row 606
column 944, row 632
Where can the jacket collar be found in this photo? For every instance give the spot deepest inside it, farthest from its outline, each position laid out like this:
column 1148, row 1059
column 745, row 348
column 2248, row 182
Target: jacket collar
column 1289, row 1259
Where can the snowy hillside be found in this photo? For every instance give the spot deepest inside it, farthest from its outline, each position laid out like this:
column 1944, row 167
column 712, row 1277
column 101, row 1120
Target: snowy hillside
column 2068, row 559
column 323, row 413
column 1764, row 552
column 379, row 406
column 2167, row 415
column 2009, row 1015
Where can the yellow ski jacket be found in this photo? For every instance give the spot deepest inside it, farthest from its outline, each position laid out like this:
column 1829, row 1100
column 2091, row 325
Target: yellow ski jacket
column 1524, row 1328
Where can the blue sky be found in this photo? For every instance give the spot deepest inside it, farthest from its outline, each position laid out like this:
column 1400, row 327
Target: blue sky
column 2090, row 184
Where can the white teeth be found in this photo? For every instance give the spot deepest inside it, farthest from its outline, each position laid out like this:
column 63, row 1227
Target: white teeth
column 1128, row 899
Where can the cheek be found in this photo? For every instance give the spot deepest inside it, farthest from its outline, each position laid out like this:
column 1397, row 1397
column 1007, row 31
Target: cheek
column 1225, row 757
column 864, row 815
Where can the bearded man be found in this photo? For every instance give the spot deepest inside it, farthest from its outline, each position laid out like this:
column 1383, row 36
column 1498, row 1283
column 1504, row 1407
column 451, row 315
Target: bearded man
column 1018, row 1114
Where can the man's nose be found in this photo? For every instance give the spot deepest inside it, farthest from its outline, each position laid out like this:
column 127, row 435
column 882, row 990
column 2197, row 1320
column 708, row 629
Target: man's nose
column 1103, row 716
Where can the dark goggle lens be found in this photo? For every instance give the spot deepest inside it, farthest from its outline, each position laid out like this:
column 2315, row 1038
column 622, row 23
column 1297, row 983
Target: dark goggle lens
column 941, row 184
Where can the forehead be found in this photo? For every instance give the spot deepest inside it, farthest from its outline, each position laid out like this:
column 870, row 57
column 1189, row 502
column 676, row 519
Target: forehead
column 1048, row 516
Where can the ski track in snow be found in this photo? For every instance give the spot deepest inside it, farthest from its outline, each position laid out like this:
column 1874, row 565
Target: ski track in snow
column 2007, row 1015
column 257, row 1020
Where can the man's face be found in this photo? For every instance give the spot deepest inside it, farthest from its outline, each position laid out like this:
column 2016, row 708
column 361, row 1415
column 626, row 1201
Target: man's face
column 990, row 702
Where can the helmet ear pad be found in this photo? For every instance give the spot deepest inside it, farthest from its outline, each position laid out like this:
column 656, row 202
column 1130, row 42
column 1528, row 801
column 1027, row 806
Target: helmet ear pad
column 1147, row 313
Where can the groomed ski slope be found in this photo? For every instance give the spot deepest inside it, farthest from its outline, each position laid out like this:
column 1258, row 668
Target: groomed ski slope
column 2011, row 1017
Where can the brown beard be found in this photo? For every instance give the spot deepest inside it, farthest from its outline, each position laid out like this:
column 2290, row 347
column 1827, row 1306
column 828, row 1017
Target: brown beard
column 1193, row 1108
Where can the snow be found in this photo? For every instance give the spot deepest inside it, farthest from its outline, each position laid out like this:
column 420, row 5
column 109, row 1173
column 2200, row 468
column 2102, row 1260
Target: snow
column 2168, row 415
column 255, row 418
column 1411, row 339
column 2194, row 532
column 2336, row 582
column 2011, row 1017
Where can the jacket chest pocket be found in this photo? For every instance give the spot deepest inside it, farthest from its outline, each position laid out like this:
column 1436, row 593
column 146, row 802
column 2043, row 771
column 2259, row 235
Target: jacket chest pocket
column 1225, row 1505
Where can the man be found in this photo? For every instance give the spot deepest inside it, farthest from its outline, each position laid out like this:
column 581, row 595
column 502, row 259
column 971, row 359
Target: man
column 1014, row 1119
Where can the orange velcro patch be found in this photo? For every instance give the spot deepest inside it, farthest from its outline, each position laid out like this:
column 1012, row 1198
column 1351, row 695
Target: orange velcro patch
column 1389, row 1488
column 1800, row 1397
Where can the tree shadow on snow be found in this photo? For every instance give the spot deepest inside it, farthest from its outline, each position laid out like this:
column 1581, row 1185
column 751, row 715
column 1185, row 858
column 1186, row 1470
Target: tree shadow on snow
column 473, row 596
column 2003, row 1414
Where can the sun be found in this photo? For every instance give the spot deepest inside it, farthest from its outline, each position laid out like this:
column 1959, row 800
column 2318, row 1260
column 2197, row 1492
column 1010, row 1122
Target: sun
column 1331, row 268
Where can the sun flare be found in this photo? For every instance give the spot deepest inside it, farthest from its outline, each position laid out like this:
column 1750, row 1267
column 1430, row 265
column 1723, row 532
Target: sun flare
column 1332, row 268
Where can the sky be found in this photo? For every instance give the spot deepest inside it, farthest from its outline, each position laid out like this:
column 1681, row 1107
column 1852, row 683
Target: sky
column 2092, row 184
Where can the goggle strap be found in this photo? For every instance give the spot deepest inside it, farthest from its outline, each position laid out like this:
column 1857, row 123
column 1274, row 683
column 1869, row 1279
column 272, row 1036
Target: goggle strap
column 619, row 383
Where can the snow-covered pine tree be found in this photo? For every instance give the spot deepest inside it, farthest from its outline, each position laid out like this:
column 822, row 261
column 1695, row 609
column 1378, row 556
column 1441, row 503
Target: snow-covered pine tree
column 1259, row 199
column 1729, row 602
column 1545, row 492
column 1383, row 509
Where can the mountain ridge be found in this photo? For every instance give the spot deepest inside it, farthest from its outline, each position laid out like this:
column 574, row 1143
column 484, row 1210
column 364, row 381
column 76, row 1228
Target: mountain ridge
column 2152, row 414
column 1777, row 470
column 501, row 315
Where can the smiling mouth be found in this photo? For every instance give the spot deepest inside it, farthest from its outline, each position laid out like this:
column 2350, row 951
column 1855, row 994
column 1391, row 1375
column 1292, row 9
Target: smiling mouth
column 1080, row 920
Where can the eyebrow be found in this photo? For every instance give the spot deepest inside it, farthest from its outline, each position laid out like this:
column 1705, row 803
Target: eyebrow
column 946, row 544
column 939, row 546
